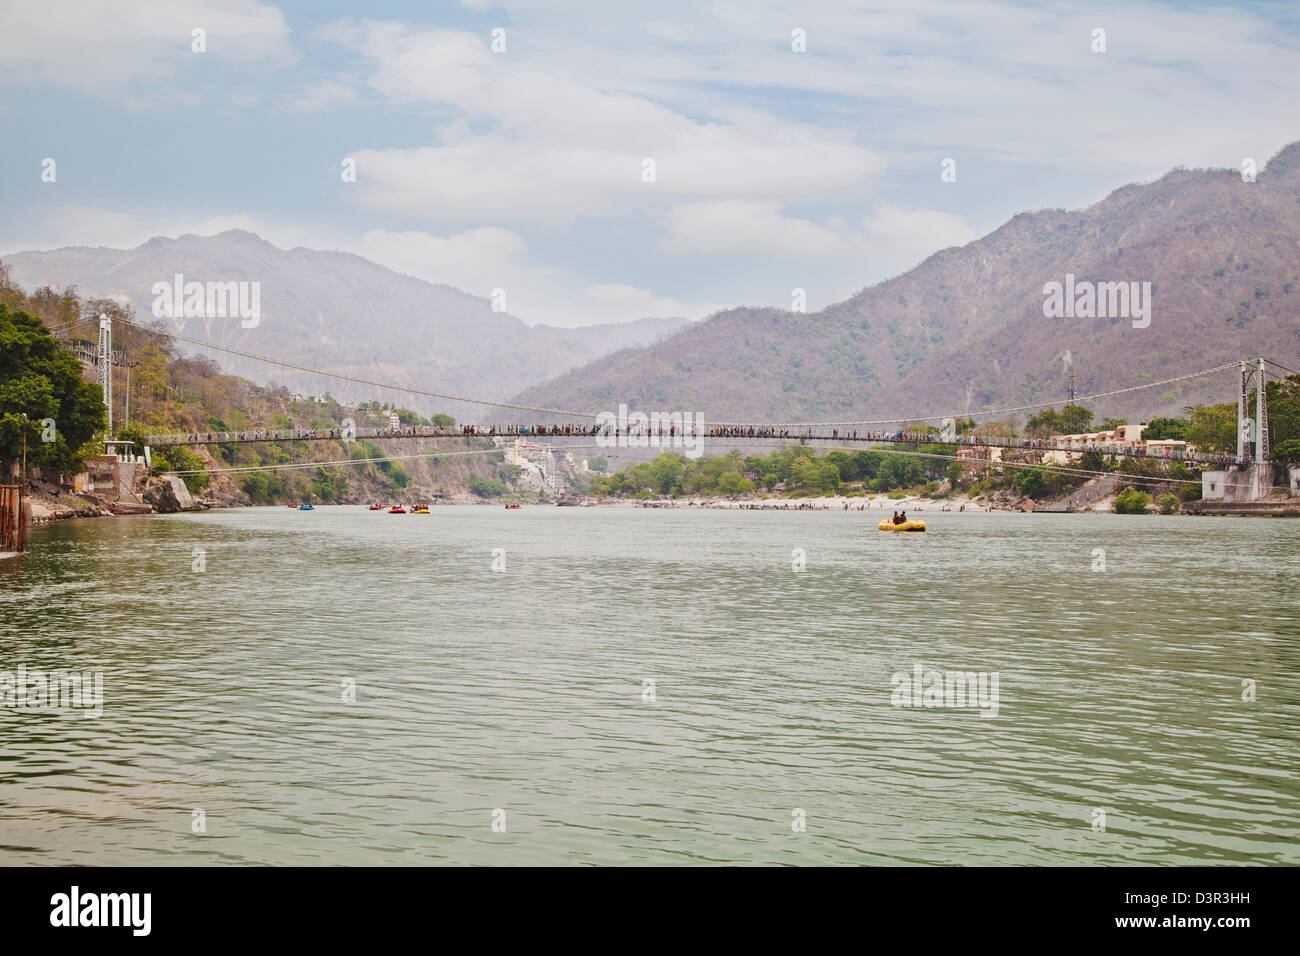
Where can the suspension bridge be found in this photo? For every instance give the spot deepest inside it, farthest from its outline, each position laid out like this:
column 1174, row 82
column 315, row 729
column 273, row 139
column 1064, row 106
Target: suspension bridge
column 667, row 431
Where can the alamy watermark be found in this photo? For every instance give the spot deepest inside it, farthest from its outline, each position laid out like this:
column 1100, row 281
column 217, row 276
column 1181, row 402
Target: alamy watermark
column 1098, row 300
column 55, row 690
column 958, row 690
column 624, row 429
column 179, row 300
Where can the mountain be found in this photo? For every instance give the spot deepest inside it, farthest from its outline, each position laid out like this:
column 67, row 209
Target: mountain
column 340, row 312
column 965, row 330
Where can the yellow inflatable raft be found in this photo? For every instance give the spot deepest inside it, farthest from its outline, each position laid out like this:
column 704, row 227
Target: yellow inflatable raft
column 909, row 525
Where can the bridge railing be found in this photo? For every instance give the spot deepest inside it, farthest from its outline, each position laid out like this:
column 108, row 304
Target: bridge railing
column 738, row 431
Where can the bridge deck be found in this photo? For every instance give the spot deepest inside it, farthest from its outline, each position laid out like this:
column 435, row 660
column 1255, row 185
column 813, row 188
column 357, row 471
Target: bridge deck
column 669, row 439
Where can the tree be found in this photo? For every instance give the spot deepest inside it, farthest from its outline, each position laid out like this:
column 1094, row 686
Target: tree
column 1077, row 419
column 868, row 464
column 1046, row 423
column 178, row 458
column 666, row 472
column 1213, row 428
column 257, row 486
column 1130, row 501
column 1030, row 481
column 1169, row 504
column 733, row 483
column 1287, row 451
column 41, row 379
column 1093, row 461
column 486, row 487
column 1284, row 419
column 1166, row 429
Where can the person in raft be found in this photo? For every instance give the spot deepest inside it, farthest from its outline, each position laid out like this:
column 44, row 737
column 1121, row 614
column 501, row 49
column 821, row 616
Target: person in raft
column 900, row 518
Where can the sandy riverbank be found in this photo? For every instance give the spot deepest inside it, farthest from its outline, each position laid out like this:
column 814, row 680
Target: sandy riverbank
column 874, row 502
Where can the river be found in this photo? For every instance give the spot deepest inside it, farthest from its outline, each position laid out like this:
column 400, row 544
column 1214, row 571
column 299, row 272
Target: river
column 654, row 686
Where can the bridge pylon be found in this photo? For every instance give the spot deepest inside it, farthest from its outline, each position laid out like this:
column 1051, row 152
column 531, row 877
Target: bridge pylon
column 1252, row 429
column 105, row 360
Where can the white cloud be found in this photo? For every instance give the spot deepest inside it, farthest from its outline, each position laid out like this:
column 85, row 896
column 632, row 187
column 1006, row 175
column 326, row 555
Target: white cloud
column 322, row 95
column 482, row 260
column 477, row 261
column 739, row 227
column 84, row 45
column 523, row 143
column 623, row 303
column 906, row 236
column 891, row 237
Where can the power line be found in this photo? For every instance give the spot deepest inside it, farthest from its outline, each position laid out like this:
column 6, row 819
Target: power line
column 1281, row 366
column 344, row 461
column 996, row 411
column 426, row 393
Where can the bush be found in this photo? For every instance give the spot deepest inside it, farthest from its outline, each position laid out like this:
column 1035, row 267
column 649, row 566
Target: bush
column 1130, row 501
column 487, row 487
column 182, row 459
column 1169, row 504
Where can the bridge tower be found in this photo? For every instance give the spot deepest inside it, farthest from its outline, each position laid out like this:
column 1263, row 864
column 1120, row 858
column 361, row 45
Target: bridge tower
column 105, row 361
column 1261, row 417
column 1252, row 429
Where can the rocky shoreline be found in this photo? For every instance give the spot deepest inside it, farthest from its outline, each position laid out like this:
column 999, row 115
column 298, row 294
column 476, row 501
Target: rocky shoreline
column 158, row 495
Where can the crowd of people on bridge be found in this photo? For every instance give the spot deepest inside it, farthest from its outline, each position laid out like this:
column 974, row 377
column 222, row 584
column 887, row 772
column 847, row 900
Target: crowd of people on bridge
column 672, row 431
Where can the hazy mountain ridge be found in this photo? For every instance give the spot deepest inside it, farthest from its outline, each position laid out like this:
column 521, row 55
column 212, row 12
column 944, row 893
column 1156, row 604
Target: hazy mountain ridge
column 341, row 312
column 965, row 329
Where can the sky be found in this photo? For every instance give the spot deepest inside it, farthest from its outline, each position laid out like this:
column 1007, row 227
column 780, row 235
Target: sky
column 605, row 161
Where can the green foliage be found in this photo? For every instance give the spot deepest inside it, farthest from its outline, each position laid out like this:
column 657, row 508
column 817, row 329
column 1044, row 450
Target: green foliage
column 329, row 485
column 816, row 474
column 179, row 458
column 41, row 379
column 486, row 487
column 733, row 483
column 1166, row 429
column 1046, row 423
column 1284, row 419
column 1287, row 451
column 666, row 473
column 1169, row 504
column 1030, row 481
column 257, row 485
column 1213, row 428
column 1130, row 501
column 1093, row 461
column 1077, row 419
